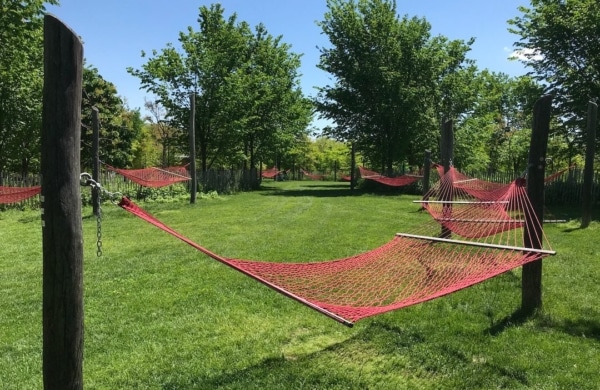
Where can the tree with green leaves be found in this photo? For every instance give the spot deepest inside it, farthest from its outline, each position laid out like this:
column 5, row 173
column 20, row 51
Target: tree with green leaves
column 560, row 42
column 167, row 136
column 119, row 127
column 394, row 83
column 493, row 134
column 21, row 80
column 249, row 107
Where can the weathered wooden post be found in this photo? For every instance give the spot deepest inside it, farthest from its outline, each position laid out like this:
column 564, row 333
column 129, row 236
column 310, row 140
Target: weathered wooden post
column 447, row 146
column 352, row 166
column 588, row 170
column 426, row 171
column 62, row 235
column 95, row 160
column 194, row 180
column 531, row 283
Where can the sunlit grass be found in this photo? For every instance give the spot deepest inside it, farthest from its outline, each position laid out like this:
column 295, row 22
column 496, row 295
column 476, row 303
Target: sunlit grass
column 160, row 315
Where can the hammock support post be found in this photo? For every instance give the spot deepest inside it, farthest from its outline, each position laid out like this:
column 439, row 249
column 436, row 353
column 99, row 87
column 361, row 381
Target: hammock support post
column 95, row 160
column 62, row 233
column 194, row 178
column 588, row 169
column 426, row 171
column 447, row 147
column 531, row 283
column 352, row 166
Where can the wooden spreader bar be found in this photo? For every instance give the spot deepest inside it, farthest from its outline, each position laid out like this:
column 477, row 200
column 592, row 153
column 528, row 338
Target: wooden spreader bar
column 479, row 244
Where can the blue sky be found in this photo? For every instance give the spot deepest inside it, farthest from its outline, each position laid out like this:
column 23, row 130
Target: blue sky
column 115, row 32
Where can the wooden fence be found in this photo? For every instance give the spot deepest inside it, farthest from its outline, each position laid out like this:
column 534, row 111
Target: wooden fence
column 567, row 189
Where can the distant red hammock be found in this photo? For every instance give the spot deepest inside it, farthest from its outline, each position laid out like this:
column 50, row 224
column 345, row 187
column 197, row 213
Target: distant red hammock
column 270, row 173
column 312, row 176
column 482, row 189
column 467, row 213
column 17, row 194
column 398, row 181
column 154, row 177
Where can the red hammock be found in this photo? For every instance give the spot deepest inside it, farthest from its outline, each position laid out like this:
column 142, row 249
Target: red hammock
column 398, row 181
column 476, row 213
column 17, row 194
column 486, row 190
column 154, row 177
column 480, row 189
column 554, row 176
column 270, row 173
column 407, row 270
column 312, row 176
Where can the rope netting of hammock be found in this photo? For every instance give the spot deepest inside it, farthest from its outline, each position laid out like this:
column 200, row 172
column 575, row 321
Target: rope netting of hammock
column 270, row 173
column 482, row 189
column 17, row 194
column 153, row 176
column 409, row 269
column 398, row 181
column 312, row 176
column 475, row 212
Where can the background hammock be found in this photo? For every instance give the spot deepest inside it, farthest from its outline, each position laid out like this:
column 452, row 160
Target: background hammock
column 409, row 269
column 17, row 194
column 154, row 177
column 482, row 189
column 398, row 181
column 270, row 173
column 312, row 176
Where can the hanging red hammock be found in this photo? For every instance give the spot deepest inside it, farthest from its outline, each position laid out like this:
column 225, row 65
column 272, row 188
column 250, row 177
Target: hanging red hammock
column 17, row 194
column 154, row 177
column 409, row 269
column 475, row 213
column 270, row 173
column 312, row 176
column 398, row 181
column 486, row 190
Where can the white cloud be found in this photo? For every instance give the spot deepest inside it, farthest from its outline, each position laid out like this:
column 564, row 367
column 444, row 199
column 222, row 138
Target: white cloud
column 526, row 55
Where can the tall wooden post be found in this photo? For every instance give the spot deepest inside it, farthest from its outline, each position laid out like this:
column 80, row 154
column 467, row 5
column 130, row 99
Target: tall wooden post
column 588, row 170
column 352, row 166
column 62, row 235
column 447, row 153
column 95, row 160
column 426, row 171
column 531, row 283
column 194, row 181
column 447, row 144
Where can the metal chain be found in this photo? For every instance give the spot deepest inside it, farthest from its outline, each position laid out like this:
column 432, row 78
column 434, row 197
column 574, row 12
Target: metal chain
column 99, row 226
column 86, row 180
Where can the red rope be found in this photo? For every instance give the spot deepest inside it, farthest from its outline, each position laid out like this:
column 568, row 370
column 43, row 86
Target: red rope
column 398, row 181
column 402, row 272
column 312, row 176
column 17, row 194
column 154, row 177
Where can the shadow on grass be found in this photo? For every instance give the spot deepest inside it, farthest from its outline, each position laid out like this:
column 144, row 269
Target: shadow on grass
column 517, row 318
column 581, row 327
column 332, row 190
column 394, row 350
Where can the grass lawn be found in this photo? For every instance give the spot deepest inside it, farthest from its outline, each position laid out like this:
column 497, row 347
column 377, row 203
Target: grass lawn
column 160, row 315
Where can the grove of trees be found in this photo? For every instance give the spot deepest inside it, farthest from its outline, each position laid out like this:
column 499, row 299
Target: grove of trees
column 393, row 84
